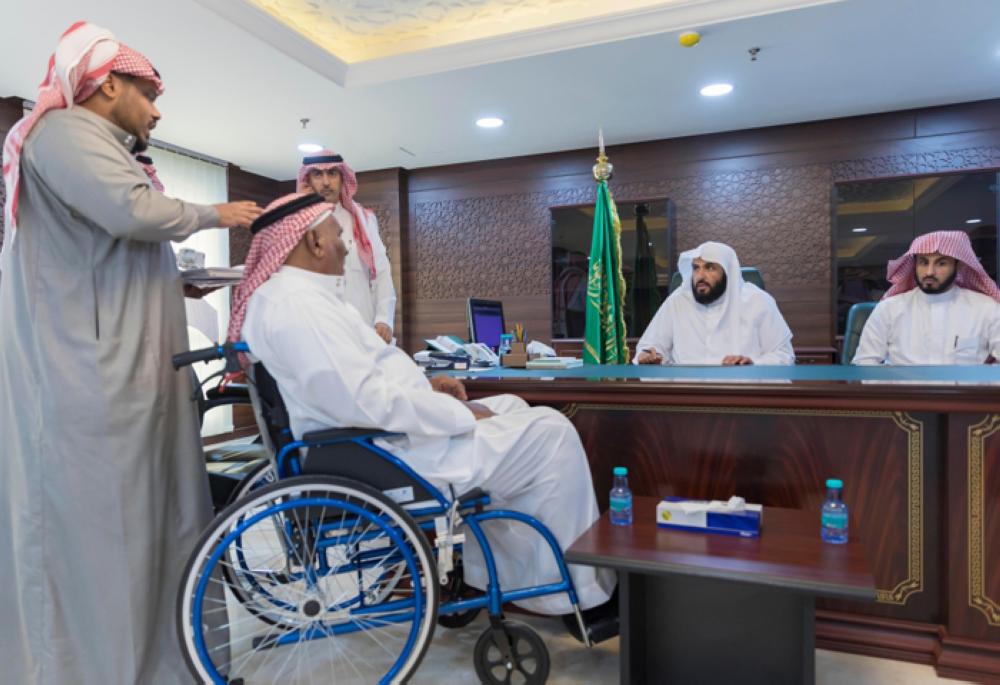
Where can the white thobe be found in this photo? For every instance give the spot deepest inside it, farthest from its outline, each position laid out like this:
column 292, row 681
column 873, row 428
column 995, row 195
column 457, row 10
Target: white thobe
column 685, row 332
column 374, row 299
column 335, row 372
column 959, row 326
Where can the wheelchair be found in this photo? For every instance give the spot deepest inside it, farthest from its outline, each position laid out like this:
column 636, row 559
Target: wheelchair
column 336, row 560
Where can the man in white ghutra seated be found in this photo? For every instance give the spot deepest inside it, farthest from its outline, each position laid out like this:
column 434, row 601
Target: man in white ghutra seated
column 335, row 371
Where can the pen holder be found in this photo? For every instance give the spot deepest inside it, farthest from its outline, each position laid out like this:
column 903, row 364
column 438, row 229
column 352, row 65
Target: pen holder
column 517, row 358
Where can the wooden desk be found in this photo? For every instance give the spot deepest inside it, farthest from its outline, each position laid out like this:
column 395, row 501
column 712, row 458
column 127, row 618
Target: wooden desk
column 919, row 456
column 703, row 607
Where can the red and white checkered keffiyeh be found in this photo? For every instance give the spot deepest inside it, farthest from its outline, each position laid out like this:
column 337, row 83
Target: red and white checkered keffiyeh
column 954, row 244
column 268, row 251
column 84, row 57
column 348, row 187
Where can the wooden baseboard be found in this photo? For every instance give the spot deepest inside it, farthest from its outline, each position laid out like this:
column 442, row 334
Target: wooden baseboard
column 879, row 637
column 976, row 661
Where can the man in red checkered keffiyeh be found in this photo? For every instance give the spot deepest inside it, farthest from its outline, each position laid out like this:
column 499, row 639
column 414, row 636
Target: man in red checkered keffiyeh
column 334, row 371
column 942, row 308
column 101, row 439
column 277, row 233
column 368, row 279
column 84, row 58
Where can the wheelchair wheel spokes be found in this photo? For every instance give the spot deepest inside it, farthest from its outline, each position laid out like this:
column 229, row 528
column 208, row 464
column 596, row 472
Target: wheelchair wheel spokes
column 309, row 577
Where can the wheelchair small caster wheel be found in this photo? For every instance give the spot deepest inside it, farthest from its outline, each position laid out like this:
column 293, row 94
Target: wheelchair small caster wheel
column 529, row 658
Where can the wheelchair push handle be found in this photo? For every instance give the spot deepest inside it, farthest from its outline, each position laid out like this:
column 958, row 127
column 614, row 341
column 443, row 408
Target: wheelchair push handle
column 227, row 351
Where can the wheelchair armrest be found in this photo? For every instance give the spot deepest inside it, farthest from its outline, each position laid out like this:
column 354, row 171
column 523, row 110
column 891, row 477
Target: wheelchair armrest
column 331, row 435
column 234, row 390
column 472, row 495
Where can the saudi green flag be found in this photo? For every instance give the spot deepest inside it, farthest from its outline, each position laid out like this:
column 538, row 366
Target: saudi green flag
column 604, row 333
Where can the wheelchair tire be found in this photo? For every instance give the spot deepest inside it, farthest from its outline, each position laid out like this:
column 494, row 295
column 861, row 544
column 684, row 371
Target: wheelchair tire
column 261, row 475
column 316, row 549
column 530, row 656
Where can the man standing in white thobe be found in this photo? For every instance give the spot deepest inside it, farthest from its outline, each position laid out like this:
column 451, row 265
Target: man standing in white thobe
column 715, row 317
column 103, row 491
column 942, row 307
column 367, row 274
column 333, row 371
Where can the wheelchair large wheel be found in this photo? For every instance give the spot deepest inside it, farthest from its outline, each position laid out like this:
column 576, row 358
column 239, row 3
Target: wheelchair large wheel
column 335, row 582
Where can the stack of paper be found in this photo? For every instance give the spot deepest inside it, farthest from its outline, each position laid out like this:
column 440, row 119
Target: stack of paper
column 213, row 276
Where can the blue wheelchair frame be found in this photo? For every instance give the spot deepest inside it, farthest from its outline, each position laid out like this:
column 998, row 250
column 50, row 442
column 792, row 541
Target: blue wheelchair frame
column 469, row 508
column 288, row 465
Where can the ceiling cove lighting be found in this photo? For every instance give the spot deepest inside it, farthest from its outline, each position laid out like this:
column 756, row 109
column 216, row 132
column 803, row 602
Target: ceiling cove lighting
column 973, row 221
column 859, row 229
column 489, row 122
column 309, row 147
column 714, row 90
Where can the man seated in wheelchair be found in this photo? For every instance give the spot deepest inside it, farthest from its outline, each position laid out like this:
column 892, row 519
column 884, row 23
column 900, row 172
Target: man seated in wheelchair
column 334, row 371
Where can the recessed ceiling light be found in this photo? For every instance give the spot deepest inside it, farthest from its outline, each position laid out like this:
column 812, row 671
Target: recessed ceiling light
column 489, row 122
column 973, row 221
column 310, row 147
column 717, row 89
column 860, row 229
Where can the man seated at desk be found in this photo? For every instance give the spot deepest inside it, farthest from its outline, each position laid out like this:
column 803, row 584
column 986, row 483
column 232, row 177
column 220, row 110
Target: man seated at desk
column 335, row 371
column 942, row 307
column 715, row 317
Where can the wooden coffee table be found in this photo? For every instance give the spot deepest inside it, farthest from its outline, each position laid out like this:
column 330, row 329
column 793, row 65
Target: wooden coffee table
column 710, row 608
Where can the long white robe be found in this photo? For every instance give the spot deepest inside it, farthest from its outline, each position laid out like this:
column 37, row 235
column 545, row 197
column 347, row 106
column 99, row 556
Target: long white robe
column 103, row 491
column 958, row 326
column 375, row 299
column 744, row 321
column 334, row 371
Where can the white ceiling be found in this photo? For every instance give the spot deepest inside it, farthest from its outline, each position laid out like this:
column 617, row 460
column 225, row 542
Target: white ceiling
column 233, row 96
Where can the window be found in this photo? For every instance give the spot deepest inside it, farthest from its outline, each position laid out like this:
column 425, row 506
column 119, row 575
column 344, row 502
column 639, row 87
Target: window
column 204, row 182
column 875, row 222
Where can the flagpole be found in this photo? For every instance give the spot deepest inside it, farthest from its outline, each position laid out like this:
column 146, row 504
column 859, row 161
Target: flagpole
column 603, row 169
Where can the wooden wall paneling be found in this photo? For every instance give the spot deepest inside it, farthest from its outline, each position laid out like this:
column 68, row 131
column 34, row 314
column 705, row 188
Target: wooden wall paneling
column 385, row 193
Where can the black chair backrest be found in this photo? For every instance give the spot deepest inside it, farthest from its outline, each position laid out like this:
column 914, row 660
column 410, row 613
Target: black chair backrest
column 346, row 459
column 273, row 417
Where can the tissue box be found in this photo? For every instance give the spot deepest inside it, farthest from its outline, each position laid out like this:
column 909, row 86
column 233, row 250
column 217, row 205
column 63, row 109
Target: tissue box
column 709, row 517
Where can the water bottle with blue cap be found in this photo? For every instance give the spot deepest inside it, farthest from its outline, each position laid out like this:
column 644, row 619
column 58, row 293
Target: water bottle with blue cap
column 833, row 520
column 621, row 498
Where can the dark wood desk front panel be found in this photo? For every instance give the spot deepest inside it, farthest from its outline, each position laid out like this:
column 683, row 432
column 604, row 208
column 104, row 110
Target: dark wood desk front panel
column 922, row 480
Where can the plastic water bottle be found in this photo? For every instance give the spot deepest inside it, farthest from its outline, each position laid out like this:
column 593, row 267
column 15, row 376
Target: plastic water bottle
column 833, row 522
column 621, row 498
column 505, row 341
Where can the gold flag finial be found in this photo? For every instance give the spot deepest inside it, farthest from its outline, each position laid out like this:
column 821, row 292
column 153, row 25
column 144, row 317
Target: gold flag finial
column 603, row 169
